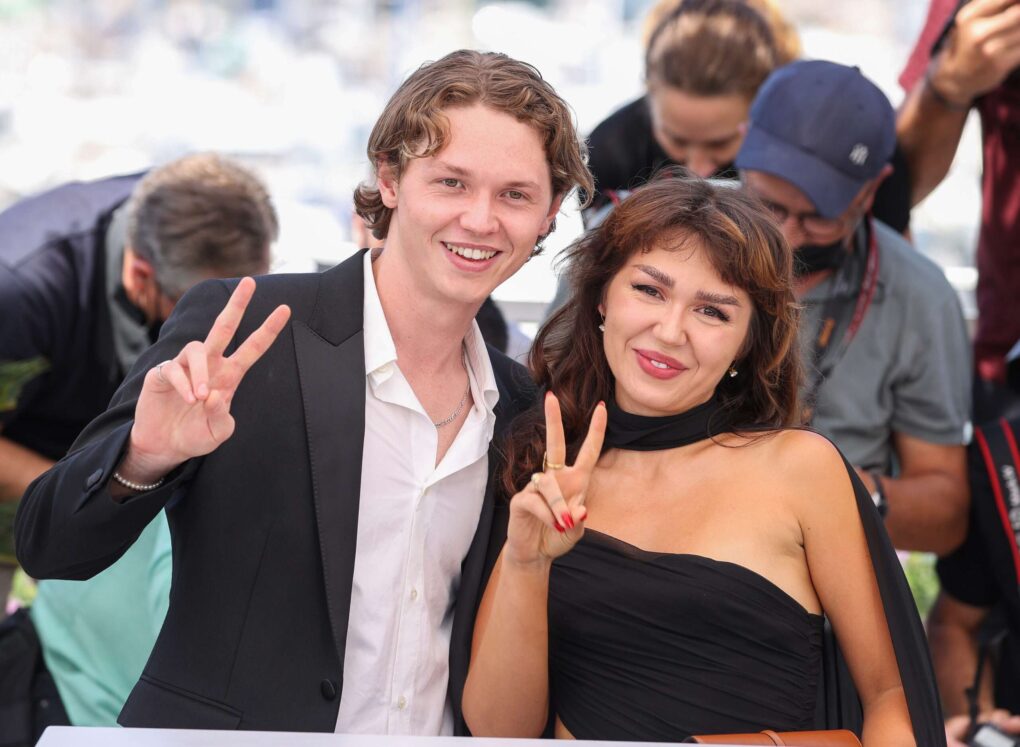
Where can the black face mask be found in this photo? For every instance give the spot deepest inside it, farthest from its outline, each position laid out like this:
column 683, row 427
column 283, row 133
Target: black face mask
column 812, row 258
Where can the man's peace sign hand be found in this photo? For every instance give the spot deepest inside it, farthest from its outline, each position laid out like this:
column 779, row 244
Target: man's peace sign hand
column 183, row 410
column 547, row 516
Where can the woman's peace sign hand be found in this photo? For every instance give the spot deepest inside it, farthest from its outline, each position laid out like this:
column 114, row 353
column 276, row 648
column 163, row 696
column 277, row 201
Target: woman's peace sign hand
column 547, row 516
column 183, row 410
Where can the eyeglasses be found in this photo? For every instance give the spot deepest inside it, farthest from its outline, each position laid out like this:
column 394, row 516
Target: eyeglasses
column 812, row 224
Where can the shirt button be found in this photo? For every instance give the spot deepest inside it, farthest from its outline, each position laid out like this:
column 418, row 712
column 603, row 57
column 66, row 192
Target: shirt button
column 401, row 702
column 328, row 688
column 414, row 594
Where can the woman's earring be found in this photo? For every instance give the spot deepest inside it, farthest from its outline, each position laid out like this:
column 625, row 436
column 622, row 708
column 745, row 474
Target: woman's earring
column 602, row 324
column 732, row 371
column 602, row 328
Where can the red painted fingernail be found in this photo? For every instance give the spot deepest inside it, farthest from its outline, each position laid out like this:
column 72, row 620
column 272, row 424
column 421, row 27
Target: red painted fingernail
column 584, row 513
column 560, row 529
column 568, row 520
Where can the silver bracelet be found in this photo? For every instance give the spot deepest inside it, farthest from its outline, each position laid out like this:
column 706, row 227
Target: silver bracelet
column 137, row 486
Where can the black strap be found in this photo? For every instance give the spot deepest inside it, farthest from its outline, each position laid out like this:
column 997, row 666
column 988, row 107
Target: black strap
column 998, row 446
column 988, row 641
column 838, row 311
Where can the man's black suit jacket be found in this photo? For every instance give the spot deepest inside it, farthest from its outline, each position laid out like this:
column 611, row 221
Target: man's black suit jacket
column 264, row 528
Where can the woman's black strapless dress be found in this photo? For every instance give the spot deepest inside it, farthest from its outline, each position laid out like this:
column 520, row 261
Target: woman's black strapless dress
column 654, row 647
column 657, row 646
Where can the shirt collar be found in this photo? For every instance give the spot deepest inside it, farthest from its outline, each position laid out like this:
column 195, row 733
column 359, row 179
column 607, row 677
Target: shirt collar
column 381, row 353
column 482, row 379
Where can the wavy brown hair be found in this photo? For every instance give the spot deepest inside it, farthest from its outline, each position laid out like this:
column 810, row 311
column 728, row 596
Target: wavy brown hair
column 713, row 48
column 747, row 249
column 787, row 40
column 413, row 124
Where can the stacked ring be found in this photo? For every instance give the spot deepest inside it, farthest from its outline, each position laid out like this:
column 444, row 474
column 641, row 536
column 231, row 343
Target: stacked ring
column 547, row 465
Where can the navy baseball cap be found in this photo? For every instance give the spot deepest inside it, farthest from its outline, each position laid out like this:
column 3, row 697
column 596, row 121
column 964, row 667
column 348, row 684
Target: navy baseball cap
column 824, row 128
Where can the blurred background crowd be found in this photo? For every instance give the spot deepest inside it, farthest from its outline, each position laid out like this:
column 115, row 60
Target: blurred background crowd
column 90, row 88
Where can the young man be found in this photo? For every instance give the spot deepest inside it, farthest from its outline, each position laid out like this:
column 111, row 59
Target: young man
column 329, row 492
column 884, row 338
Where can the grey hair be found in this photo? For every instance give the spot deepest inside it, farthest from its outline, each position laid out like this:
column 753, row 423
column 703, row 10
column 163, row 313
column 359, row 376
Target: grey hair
column 201, row 215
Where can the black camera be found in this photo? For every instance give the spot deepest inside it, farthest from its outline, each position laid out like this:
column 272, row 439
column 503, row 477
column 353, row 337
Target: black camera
column 992, row 736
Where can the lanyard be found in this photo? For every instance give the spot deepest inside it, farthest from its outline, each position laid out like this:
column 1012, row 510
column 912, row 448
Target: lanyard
column 834, row 312
column 1002, row 459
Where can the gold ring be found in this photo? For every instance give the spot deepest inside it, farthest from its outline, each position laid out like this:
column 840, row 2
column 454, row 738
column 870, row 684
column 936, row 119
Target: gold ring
column 547, row 465
column 536, row 478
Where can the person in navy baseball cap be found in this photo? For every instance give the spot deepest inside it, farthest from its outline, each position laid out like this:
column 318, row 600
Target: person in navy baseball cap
column 823, row 127
column 883, row 339
column 816, row 151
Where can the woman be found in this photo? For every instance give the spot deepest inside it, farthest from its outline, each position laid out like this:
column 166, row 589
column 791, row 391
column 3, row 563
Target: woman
column 704, row 63
column 698, row 547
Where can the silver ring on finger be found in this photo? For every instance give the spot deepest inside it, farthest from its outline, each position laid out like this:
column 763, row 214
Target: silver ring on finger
column 159, row 372
column 536, row 479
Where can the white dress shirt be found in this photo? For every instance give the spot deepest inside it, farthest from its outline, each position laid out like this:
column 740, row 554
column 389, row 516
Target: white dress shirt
column 415, row 524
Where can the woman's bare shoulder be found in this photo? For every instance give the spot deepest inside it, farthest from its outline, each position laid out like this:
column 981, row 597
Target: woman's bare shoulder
column 801, row 458
column 783, row 442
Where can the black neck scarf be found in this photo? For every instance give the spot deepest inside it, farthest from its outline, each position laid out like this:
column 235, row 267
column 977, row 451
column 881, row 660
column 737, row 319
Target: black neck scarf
column 643, row 433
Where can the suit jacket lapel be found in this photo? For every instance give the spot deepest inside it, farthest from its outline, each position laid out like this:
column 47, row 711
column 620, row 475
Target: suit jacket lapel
column 330, row 353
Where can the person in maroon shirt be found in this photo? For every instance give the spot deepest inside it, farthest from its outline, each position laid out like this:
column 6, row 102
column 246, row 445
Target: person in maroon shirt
column 967, row 56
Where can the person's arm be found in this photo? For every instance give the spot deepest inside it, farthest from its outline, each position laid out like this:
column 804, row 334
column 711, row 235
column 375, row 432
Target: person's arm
column 507, row 689
column 76, row 520
column 18, row 468
column 952, row 634
column 509, row 654
column 980, row 51
column 26, row 348
column 928, row 131
column 927, row 501
column 841, row 571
